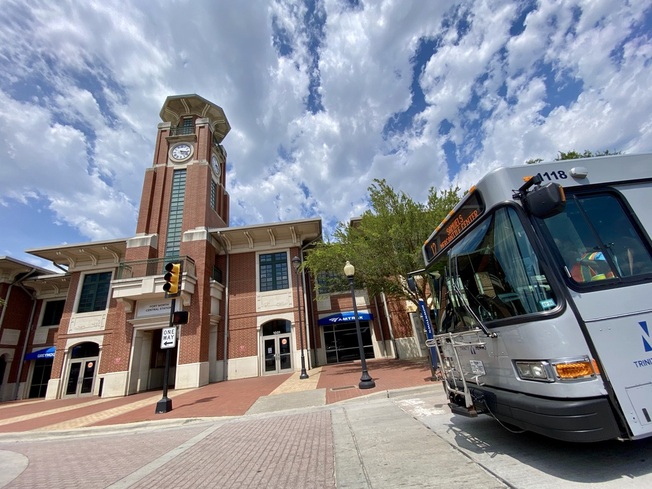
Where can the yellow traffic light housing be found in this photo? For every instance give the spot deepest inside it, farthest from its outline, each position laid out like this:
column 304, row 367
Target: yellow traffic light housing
column 172, row 286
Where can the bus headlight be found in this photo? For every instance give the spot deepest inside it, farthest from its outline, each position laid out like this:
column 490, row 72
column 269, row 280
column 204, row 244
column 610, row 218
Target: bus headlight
column 535, row 370
column 557, row 369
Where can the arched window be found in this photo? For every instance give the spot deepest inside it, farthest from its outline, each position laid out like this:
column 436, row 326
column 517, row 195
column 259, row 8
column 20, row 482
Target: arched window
column 85, row 350
column 276, row 326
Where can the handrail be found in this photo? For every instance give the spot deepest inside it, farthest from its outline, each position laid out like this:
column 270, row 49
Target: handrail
column 153, row 267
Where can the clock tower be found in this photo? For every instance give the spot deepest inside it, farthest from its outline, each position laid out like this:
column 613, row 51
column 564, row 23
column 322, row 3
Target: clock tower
column 184, row 197
column 186, row 186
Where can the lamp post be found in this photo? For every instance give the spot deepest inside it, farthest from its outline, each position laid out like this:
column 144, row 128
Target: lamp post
column 296, row 262
column 366, row 382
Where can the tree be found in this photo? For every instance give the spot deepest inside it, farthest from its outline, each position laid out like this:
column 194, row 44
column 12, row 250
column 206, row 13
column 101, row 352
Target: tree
column 574, row 155
column 384, row 244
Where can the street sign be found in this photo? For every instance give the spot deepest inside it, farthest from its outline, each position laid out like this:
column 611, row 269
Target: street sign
column 168, row 338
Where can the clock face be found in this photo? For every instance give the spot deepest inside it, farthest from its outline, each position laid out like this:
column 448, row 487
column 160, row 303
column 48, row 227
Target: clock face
column 181, row 151
column 216, row 165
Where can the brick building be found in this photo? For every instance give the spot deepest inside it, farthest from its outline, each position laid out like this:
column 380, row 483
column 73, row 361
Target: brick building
column 96, row 327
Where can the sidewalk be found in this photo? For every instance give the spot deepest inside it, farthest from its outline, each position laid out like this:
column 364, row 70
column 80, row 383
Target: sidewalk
column 227, row 435
column 326, row 385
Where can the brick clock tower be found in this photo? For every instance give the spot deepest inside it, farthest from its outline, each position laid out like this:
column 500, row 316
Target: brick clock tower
column 184, row 196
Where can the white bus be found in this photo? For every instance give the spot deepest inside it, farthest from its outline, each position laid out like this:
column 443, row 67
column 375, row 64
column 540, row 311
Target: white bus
column 542, row 280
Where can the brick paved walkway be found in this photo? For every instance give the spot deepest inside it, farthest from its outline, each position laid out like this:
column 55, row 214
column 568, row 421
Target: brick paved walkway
column 230, row 398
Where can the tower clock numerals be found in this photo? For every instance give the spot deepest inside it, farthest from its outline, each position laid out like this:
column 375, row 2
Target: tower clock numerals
column 181, row 151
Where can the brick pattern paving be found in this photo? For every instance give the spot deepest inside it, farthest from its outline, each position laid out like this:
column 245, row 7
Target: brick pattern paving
column 285, row 452
column 341, row 381
column 230, row 398
column 61, row 463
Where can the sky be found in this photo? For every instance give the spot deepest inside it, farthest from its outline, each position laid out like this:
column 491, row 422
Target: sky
column 323, row 97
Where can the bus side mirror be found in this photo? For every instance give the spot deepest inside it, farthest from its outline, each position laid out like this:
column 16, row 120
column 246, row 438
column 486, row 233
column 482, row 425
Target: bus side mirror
column 545, row 200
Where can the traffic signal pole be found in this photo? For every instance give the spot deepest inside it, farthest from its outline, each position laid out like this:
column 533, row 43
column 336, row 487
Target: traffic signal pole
column 164, row 405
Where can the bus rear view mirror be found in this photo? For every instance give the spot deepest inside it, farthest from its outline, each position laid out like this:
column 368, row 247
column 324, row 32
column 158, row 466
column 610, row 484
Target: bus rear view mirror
column 545, row 200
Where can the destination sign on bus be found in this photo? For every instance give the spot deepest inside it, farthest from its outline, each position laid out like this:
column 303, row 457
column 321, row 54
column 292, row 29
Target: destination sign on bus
column 454, row 225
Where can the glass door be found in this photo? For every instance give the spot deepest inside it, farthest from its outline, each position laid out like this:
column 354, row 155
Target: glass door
column 81, row 376
column 278, row 354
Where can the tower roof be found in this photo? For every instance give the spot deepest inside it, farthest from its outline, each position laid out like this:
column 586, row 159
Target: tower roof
column 177, row 106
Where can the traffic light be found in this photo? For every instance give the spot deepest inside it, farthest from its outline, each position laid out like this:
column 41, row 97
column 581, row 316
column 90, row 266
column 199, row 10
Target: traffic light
column 172, row 286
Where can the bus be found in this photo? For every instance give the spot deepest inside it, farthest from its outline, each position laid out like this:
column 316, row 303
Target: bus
column 541, row 280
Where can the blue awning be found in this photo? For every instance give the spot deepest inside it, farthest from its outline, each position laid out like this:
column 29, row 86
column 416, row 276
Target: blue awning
column 40, row 354
column 344, row 317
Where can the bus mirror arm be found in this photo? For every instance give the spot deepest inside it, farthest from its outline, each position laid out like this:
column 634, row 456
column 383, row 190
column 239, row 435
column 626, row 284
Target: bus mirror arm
column 467, row 308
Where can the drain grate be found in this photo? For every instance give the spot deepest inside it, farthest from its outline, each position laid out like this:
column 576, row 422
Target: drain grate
column 342, row 388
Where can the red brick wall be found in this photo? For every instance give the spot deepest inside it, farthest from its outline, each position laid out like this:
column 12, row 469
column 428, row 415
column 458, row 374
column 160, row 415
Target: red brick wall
column 196, row 334
column 17, row 311
column 243, row 337
column 116, row 347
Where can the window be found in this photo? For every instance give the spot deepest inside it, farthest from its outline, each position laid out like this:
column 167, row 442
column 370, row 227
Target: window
column 273, row 269
column 173, row 239
column 52, row 313
column 492, row 274
column 597, row 240
column 213, row 195
column 40, row 378
column 95, row 292
column 276, row 326
column 331, row 282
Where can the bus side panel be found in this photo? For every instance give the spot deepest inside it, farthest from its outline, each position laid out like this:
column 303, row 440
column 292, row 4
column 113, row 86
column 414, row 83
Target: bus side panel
column 623, row 342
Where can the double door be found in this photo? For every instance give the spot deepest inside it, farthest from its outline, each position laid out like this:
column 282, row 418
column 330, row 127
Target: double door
column 81, row 376
column 278, row 356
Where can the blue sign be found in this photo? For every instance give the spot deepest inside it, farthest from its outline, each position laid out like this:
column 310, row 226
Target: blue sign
column 429, row 333
column 40, row 354
column 344, row 317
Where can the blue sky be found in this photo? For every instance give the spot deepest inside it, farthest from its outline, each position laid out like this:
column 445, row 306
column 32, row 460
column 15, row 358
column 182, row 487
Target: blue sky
column 322, row 97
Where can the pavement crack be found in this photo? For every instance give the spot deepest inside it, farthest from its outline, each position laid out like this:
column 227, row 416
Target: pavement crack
column 357, row 449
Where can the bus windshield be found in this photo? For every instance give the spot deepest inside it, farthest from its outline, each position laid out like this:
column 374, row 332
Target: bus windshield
column 493, row 274
column 597, row 240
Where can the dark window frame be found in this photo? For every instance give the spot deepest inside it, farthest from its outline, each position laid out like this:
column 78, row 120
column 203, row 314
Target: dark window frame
column 273, row 271
column 95, row 291
column 52, row 312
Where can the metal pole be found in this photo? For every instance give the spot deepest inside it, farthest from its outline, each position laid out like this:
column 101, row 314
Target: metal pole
column 304, row 374
column 164, row 405
column 366, row 382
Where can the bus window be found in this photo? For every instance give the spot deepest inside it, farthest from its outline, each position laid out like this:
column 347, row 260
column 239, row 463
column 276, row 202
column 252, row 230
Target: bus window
column 495, row 273
column 597, row 239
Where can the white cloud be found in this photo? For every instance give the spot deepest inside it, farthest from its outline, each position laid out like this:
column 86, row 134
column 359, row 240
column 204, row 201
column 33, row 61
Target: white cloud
column 87, row 80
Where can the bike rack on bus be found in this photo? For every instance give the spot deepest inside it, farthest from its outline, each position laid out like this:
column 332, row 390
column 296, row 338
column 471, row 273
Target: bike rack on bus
column 450, row 363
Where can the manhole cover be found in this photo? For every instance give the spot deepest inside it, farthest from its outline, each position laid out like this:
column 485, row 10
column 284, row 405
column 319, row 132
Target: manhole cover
column 342, row 388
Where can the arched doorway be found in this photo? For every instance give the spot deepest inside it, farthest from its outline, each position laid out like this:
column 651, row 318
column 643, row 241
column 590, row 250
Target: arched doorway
column 81, row 369
column 276, row 346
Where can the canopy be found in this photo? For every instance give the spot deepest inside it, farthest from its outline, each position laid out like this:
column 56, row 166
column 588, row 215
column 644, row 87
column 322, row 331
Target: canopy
column 40, row 354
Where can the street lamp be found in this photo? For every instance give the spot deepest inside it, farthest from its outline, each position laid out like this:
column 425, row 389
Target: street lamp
column 366, row 382
column 296, row 262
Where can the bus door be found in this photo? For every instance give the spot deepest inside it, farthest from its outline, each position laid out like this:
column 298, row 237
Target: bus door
column 607, row 260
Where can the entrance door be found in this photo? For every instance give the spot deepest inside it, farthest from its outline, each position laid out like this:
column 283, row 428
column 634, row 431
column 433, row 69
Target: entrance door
column 278, row 357
column 81, row 376
column 81, row 369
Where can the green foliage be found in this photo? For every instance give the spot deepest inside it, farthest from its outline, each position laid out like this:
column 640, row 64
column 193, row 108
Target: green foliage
column 574, row 155
column 385, row 244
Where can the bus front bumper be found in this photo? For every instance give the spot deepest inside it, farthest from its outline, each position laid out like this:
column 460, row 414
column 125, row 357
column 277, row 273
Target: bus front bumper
column 574, row 420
